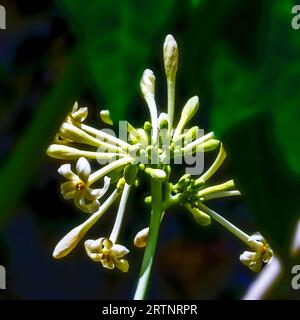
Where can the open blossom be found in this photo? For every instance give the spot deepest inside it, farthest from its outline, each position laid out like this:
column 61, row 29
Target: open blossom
column 109, row 254
column 78, row 114
column 77, row 187
column 262, row 253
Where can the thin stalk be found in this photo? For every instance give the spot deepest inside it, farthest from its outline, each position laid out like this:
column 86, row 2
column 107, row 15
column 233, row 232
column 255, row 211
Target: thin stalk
column 156, row 212
column 120, row 215
column 103, row 135
column 228, row 225
column 171, row 101
column 105, row 170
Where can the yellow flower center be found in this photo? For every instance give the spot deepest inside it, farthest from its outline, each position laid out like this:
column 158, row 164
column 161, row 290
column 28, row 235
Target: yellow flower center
column 80, row 186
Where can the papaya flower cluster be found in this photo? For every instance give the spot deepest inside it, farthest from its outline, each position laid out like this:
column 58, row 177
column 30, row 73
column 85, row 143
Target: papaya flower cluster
column 101, row 169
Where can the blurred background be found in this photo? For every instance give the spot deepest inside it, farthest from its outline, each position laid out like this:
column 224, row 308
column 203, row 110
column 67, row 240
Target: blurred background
column 240, row 57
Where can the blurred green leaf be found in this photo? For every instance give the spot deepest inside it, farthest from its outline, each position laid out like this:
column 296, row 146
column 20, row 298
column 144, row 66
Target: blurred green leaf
column 258, row 110
column 19, row 169
column 272, row 87
column 117, row 40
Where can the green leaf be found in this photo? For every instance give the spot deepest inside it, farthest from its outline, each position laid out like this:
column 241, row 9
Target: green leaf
column 21, row 166
column 117, row 40
column 257, row 110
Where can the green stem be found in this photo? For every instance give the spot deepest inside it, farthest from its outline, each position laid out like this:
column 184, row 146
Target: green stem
column 156, row 212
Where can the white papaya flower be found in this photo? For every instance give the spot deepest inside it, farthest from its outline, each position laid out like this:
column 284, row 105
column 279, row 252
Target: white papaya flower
column 77, row 187
column 262, row 253
column 109, row 254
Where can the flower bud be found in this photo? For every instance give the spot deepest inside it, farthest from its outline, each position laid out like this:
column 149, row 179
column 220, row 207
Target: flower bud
column 130, row 173
column 105, row 117
column 62, row 152
column 147, row 126
column 209, row 145
column 201, row 217
column 148, row 200
column 69, row 241
column 121, row 184
column 148, row 83
column 156, row 174
column 163, row 121
column 73, row 133
column 141, row 238
column 188, row 111
column 170, row 56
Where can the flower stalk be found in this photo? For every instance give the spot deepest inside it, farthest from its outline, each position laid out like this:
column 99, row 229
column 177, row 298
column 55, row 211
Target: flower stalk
column 156, row 212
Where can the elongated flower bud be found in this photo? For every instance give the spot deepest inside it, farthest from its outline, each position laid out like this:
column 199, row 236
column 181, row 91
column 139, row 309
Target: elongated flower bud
column 148, row 83
column 170, row 56
column 62, row 152
column 188, row 111
column 71, row 132
column 69, row 242
column 148, row 89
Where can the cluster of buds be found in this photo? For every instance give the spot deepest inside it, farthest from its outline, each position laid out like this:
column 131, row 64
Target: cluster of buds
column 151, row 150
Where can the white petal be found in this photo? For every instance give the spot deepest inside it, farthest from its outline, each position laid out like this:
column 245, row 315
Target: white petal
column 88, row 244
column 65, row 170
column 81, row 204
column 107, row 263
column 80, row 115
column 247, row 257
column 75, row 106
column 122, row 265
column 96, row 246
column 94, row 194
column 68, row 189
column 257, row 237
column 83, row 169
column 94, row 256
column 118, row 251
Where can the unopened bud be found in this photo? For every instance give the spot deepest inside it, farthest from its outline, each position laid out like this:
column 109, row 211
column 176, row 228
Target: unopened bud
column 148, row 83
column 141, row 238
column 156, row 174
column 170, row 56
column 105, row 116
column 188, row 111
column 71, row 132
column 130, row 173
column 121, row 184
column 201, row 217
column 148, row 200
column 163, row 121
column 209, row 145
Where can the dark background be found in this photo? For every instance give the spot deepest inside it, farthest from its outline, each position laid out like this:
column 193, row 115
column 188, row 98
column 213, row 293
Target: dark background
column 241, row 58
